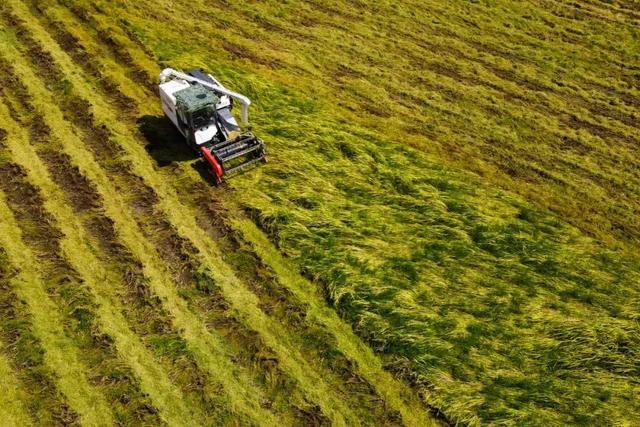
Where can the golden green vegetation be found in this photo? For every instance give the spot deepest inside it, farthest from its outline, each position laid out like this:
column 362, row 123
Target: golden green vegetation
column 446, row 233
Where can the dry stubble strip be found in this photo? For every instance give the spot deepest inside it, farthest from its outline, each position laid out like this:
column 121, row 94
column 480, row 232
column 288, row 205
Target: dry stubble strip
column 245, row 303
column 76, row 39
column 60, row 353
column 80, row 254
column 24, row 351
column 209, row 350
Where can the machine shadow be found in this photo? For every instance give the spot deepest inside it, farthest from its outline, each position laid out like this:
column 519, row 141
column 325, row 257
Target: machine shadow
column 166, row 146
column 163, row 142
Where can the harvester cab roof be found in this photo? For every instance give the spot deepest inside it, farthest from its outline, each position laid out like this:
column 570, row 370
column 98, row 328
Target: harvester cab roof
column 200, row 108
column 198, row 104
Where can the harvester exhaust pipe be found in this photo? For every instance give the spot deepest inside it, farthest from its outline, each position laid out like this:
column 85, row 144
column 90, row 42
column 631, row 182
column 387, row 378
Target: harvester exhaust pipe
column 243, row 100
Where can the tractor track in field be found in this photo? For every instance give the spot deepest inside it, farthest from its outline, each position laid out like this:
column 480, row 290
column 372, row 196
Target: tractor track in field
column 496, row 43
column 116, row 374
column 23, row 352
column 528, row 90
column 35, row 225
column 111, row 44
column 104, row 370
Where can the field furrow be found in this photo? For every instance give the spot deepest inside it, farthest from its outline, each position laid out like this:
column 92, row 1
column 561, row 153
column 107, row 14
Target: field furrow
column 105, row 282
column 24, row 353
column 112, row 40
column 216, row 363
column 60, row 354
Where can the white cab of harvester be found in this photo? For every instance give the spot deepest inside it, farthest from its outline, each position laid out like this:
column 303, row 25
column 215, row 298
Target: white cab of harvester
column 205, row 133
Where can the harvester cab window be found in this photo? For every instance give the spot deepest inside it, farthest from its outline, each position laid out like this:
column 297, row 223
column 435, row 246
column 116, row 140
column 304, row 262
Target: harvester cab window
column 203, row 117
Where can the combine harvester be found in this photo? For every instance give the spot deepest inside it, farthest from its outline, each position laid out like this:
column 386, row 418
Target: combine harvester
column 200, row 108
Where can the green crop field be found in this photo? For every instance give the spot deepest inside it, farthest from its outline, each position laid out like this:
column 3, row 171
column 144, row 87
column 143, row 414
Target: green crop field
column 447, row 231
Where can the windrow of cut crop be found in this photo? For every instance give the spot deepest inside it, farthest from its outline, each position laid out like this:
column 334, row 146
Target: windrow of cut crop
column 104, row 72
column 103, row 284
column 25, row 357
column 242, row 300
column 111, row 40
column 204, row 296
column 21, row 211
column 140, row 310
column 126, row 229
column 96, row 350
column 139, row 302
column 279, row 299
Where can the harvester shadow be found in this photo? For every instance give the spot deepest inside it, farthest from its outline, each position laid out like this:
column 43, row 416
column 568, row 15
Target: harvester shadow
column 163, row 142
column 205, row 173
